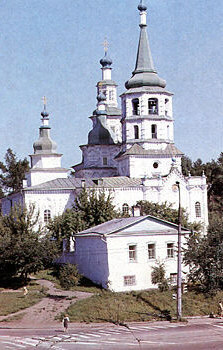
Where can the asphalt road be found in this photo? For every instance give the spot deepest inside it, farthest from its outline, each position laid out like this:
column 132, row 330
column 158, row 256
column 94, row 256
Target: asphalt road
column 197, row 334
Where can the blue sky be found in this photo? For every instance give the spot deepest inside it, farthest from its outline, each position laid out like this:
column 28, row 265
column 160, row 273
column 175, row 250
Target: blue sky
column 53, row 48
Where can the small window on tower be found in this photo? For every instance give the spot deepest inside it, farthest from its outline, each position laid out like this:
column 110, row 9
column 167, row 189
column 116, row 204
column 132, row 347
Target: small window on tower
column 198, row 209
column 136, row 131
column 153, row 106
column 166, row 106
column 154, row 131
column 105, row 161
column 135, row 106
column 111, row 96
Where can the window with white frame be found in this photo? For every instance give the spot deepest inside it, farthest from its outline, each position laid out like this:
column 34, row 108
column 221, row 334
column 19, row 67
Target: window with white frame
column 198, row 209
column 125, row 209
column 151, row 251
column 170, row 250
column 153, row 106
column 129, row 280
column 132, row 253
column 135, row 106
column 111, row 95
column 154, row 131
column 47, row 215
column 136, row 132
column 173, row 278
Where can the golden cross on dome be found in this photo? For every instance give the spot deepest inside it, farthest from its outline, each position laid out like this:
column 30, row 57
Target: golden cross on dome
column 105, row 44
column 44, row 100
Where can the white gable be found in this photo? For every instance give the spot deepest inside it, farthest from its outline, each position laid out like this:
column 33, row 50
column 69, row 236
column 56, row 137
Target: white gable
column 150, row 225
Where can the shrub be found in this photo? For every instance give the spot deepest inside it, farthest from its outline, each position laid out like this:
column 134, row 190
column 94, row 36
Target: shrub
column 158, row 277
column 68, row 276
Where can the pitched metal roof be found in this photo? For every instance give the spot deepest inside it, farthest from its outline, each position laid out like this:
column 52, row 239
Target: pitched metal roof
column 144, row 73
column 73, row 183
column 127, row 224
column 136, row 149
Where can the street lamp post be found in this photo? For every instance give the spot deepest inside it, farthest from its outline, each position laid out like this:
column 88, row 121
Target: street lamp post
column 179, row 261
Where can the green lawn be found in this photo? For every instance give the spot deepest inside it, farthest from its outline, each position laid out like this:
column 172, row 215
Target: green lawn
column 139, row 306
column 11, row 302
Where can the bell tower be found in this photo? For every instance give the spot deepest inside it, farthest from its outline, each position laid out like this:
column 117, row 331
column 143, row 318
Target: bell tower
column 147, row 117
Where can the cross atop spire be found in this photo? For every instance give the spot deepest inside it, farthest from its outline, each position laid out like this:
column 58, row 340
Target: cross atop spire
column 44, row 101
column 106, row 45
column 44, row 113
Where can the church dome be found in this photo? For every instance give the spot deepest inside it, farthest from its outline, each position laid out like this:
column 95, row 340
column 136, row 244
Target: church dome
column 101, row 97
column 100, row 135
column 44, row 144
column 106, row 61
column 142, row 7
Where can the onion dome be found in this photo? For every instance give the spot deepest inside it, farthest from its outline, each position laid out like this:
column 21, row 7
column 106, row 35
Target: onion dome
column 44, row 113
column 142, row 7
column 101, row 97
column 106, row 61
column 100, row 135
column 44, row 145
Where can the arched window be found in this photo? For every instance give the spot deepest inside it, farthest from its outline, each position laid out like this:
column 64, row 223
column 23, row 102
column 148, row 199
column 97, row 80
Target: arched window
column 153, row 106
column 168, row 132
column 47, row 215
column 166, row 106
column 136, row 131
column 198, row 209
column 154, row 131
column 135, row 106
column 125, row 208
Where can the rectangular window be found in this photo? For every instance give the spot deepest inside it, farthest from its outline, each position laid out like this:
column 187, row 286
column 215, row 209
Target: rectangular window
column 173, row 278
column 132, row 253
column 151, row 251
column 105, row 161
column 111, row 95
column 170, row 250
column 129, row 280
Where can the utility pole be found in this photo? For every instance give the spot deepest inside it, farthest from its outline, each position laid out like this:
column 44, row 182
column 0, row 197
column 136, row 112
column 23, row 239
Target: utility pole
column 179, row 261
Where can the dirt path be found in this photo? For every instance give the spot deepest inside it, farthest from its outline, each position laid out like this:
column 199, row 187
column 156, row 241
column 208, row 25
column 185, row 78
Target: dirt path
column 43, row 313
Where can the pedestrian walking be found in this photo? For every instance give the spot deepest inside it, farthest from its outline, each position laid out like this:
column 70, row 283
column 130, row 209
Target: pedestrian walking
column 66, row 320
column 25, row 291
column 220, row 305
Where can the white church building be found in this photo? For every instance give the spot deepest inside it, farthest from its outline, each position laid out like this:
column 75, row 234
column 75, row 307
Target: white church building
column 130, row 152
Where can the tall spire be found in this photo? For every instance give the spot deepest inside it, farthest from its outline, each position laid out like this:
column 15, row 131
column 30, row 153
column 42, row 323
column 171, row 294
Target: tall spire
column 144, row 73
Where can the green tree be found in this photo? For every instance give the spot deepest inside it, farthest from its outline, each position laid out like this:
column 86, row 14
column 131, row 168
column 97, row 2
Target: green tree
column 158, row 277
column 23, row 247
column 204, row 256
column 165, row 211
column 65, row 225
column 94, row 207
column 90, row 208
column 12, row 172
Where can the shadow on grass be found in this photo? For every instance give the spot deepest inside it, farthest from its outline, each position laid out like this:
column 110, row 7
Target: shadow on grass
column 85, row 282
column 163, row 314
column 56, row 297
column 13, row 283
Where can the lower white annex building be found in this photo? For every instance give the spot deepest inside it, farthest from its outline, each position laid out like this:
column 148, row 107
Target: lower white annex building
column 130, row 151
column 120, row 254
